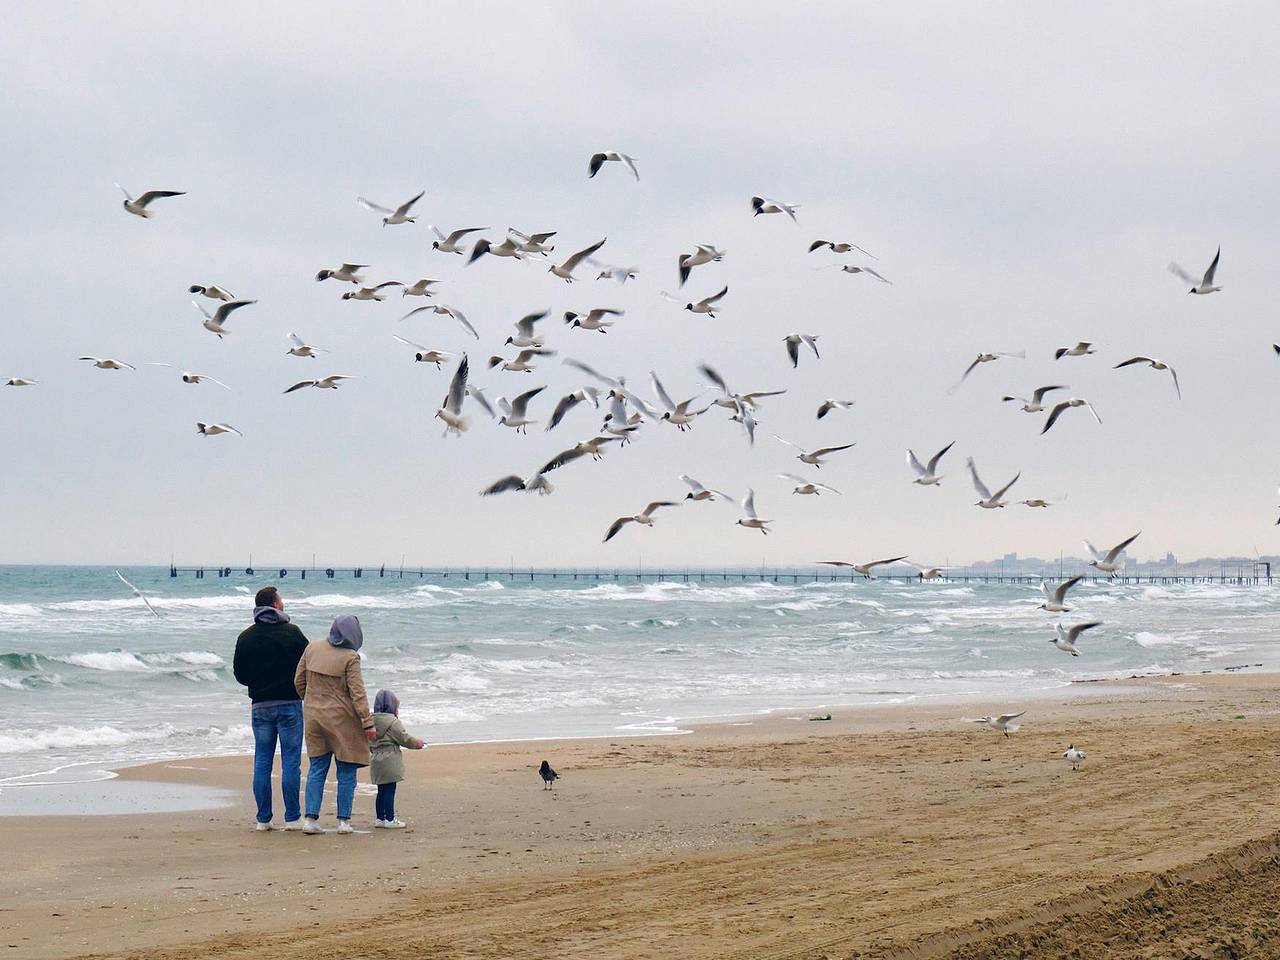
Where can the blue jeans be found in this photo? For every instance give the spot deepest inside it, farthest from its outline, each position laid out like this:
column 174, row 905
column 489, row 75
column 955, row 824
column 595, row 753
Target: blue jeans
column 282, row 722
column 385, row 804
column 317, row 771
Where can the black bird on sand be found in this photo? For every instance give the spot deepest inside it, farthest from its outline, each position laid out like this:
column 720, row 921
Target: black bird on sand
column 549, row 776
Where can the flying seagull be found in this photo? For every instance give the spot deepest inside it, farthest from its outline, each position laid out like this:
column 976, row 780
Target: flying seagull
column 1203, row 285
column 1155, row 364
column 764, row 205
column 514, row 412
column 399, row 215
column 20, row 382
column 854, row 268
column 507, row 248
column 525, row 337
column 330, row 382
column 138, row 593
column 644, row 518
column 1081, row 349
column 371, row 293
column 1109, row 562
column 447, row 311
column 1066, row 639
column 1036, row 403
column 189, row 377
column 571, row 400
column 839, row 247
column 793, row 342
column 347, row 273
column 598, row 160
column 424, row 354
column 989, row 501
column 862, row 568
column 707, row 305
column 698, row 492
column 986, row 358
column 213, row 429
column 449, row 243
column 565, row 270
column 703, row 253
column 1005, row 723
column 213, row 322
column 534, row 484
column 807, row 488
column 1062, row 407
column 828, row 405
column 418, row 288
column 813, row 457
column 521, row 363
column 593, row 319
column 107, row 363
column 139, row 206
column 927, row 476
column 1055, row 599
column 749, row 518
column 300, row 348
column 593, row 448
column 532, row 242
column 451, row 409
column 212, row 292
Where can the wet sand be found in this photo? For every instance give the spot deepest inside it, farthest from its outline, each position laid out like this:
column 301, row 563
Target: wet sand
column 900, row 832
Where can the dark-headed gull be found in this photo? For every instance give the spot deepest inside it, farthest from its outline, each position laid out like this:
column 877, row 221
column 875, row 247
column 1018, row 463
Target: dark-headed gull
column 532, row 242
column 1081, row 349
column 593, row 319
column 212, row 291
column 138, row 207
column 1064, row 406
column 1074, row 756
column 839, row 247
column 1036, row 403
column 565, row 270
column 1055, row 599
column 525, row 337
column 644, row 518
column 593, row 448
column 1204, row 284
column 189, row 377
column 214, row 322
column 399, row 215
column 138, row 593
column 1110, row 562
column 698, row 492
column 213, row 429
column 424, row 354
column 826, row 406
column 761, row 205
column 347, row 273
column 107, row 363
column 521, row 363
column 813, row 457
column 20, row 382
column 419, row 288
column 598, row 160
column 854, row 268
column 515, row 412
column 750, row 519
column 449, row 243
column 985, row 358
column 927, row 476
column 571, row 400
column 703, row 253
column 536, row 483
column 793, row 342
column 1065, row 639
column 708, row 305
column 330, row 382
column 371, row 293
column 451, row 408
column 301, row 348
column 1155, row 364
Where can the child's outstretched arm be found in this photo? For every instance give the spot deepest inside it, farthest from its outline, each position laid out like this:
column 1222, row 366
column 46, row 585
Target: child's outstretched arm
column 397, row 734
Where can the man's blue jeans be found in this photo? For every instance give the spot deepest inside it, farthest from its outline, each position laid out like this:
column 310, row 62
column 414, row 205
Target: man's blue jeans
column 317, row 771
column 282, row 722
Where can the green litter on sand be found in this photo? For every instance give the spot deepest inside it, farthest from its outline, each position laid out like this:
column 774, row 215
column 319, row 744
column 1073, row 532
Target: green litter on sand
column 825, row 716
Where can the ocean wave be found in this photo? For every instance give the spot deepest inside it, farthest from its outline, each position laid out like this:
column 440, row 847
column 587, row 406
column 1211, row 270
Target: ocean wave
column 20, row 740
column 111, row 661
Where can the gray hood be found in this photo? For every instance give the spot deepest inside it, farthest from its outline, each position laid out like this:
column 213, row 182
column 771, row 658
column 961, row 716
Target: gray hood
column 346, row 632
column 269, row 615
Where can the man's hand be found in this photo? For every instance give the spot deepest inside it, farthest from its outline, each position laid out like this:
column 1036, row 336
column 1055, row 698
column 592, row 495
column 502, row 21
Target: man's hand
column 371, row 734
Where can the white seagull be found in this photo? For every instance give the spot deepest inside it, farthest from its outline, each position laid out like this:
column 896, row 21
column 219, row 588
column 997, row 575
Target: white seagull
column 1036, row 403
column 330, row 382
column 1055, row 599
column 1066, row 639
column 839, row 247
column 451, row 409
column 1005, row 723
column 1154, row 364
column 445, row 310
column 707, row 305
column 347, row 273
column 593, row 448
column 1203, row 285
column 698, row 492
column 1081, row 349
column 424, row 354
column 826, row 406
column 1110, row 562
column 807, row 488
column 419, row 288
column 212, row 292
column 213, row 322
column 525, row 336
column 20, row 382
column 793, row 342
column 565, row 270
column 371, row 293
column 449, row 243
column 749, row 518
column 514, row 412
column 107, row 363
column 593, row 319
column 620, row 274
column 1074, row 756
column 507, row 248
column 189, row 377
column 138, row 593
column 213, row 429
column 532, row 242
column 862, row 568
column 571, row 400
column 814, row 457
column 927, row 476
column 854, row 268
column 764, row 205
column 536, row 483
column 139, row 206
column 644, row 518
column 598, row 160
column 986, row 358
column 521, row 363
column 399, row 215
column 989, row 501
column 301, row 348
column 1065, row 405
column 703, row 253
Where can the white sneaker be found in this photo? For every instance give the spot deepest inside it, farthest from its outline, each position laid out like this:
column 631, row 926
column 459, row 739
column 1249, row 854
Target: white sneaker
column 344, row 826
column 378, row 823
column 396, row 824
column 293, row 824
column 311, row 826
column 264, row 827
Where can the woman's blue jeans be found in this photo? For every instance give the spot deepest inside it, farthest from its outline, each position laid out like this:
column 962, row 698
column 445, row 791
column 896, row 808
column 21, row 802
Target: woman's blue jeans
column 317, row 771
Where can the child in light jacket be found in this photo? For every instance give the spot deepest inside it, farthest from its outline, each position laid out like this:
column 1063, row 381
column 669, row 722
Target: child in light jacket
column 386, row 767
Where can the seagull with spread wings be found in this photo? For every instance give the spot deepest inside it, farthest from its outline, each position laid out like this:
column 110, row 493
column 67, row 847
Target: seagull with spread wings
column 399, row 215
column 989, row 500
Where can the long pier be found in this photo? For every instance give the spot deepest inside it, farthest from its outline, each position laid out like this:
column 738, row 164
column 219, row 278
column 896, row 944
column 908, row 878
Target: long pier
column 1253, row 574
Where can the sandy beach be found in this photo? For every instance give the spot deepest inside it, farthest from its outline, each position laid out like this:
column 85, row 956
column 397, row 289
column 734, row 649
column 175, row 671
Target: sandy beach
column 899, row 832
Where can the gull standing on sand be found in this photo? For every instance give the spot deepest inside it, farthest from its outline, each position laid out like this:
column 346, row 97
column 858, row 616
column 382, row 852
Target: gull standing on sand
column 828, row 405
column 839, row 247
column 1005, row 723
column 1204, row 284
column 793, row 342
column 445, row 310
column 347, row 273
column 644, row 518
column 532, row 242
column 703, row 253
column 1055, row 599
column 139, row 206
column 862, row 568
column 138, row 593
column 764, row 205
column 107, row 363
column 1074, row 756
column 449, row 244
column 593, row 319
column 301, row 348
column 565, row 270
column 424, row 354
column 985, row 358
column 598, row 160
column 814, row 457
column 212, row 292
column 1110, row 562
column 213, row 322
column 330, row 382
column 1036, row 403
column 807, row 488
column 1081, row 349
column 213, row 429
column 1065, row 639
column 928, row 476
column 707, row 305
column 749, row 519
column 1062, row 407
column 515, row 410
column 419, row 288
column 451, row 409
column 399, row 215
column 989, row 501
column 371, row 293
column 521, row 363
column 698, row 492
column 189, row 377
column 20, row 382
column 1155, row 364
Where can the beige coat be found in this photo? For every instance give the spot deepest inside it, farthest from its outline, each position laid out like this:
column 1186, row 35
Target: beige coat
column 335, row 706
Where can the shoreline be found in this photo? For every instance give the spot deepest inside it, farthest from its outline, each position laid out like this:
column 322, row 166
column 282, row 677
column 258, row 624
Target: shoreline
column 112, row 770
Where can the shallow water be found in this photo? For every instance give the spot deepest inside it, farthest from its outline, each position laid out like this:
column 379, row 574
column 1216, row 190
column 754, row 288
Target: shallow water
column 89, row 677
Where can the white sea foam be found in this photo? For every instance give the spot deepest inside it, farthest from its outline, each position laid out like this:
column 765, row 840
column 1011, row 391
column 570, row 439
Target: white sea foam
column 29, row 740
column 112, row 661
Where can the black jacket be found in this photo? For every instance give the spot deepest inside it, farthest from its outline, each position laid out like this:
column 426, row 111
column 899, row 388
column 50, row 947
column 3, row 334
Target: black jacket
column 266, row 657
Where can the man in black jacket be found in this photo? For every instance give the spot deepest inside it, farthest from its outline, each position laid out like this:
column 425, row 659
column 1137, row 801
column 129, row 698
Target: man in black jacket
column 267, row 655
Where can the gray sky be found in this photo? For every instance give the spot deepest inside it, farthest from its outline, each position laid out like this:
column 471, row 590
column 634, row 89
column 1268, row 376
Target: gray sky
column 1023, row 172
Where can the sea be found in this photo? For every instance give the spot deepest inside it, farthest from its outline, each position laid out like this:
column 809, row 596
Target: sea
column 91, row 680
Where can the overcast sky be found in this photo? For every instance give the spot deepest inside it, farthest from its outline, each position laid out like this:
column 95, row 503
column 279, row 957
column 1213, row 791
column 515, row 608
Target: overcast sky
column 1024, row 172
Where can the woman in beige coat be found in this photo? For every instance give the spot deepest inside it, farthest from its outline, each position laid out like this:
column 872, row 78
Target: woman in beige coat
column 336, row 722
